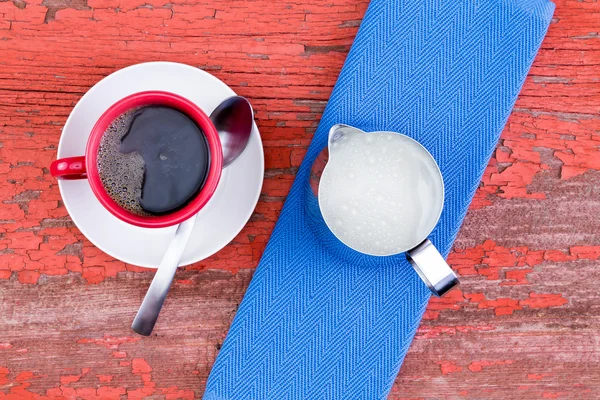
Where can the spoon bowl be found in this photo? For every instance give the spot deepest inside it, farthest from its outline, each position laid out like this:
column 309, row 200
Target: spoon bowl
column 233, row 120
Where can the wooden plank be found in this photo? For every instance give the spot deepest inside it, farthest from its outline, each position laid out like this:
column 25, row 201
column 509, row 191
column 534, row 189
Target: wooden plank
column 523, row 325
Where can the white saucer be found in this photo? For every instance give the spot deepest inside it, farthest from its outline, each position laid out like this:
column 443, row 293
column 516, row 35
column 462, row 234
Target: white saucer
column 218, row 222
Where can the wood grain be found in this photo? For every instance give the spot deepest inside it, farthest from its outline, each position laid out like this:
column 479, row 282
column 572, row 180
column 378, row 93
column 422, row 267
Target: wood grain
column 524, row 323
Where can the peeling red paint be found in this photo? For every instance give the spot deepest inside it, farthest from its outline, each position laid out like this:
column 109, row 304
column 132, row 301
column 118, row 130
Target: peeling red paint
column 501, row 306
column 553, row 395
column 110, row 342
column 448, row 367
column 431, row 315
column 537, row 377
column 586, row 252
column 520, row 159
column 24, row 376
column 104, row 378
column 491, row 261
column 176, row 393
column 3, row 374
column 69, row 387
column 544, row 300
column 506, row 306
column 426, row 332
column 67, row 379
column 139, row 365
column 28, row 277
column 477, row 366
column 513, row 181
column 450, row 301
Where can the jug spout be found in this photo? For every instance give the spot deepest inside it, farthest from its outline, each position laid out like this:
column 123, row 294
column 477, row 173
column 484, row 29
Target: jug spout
column 338, row 131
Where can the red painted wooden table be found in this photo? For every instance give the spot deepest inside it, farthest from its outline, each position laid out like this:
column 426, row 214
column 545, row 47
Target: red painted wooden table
column 524, row 324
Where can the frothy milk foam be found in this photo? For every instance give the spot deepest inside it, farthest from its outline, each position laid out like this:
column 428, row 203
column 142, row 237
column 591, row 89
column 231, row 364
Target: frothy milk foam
column 123, row 187
column 381, row 192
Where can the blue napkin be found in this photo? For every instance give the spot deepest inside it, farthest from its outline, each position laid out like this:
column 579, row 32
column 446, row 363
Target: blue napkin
column 320, row 321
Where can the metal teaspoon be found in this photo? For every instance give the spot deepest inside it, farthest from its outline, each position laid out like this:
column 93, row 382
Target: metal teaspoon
column 233, row 119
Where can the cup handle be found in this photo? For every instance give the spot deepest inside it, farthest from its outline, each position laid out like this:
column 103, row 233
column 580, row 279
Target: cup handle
column 432, row 268
column 69, row 168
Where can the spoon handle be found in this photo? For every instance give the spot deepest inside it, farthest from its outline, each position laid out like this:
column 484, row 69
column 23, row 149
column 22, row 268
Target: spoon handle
column 157, row 292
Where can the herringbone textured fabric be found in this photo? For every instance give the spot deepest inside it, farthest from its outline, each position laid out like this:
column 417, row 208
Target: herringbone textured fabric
column 320, row 321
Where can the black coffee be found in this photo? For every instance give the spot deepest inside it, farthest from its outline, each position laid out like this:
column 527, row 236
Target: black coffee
column 153, row 160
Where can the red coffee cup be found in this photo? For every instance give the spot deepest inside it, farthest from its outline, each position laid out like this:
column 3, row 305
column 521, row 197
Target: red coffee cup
column 86, row 166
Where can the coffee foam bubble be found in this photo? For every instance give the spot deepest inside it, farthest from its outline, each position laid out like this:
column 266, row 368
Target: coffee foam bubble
column 122, row 175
